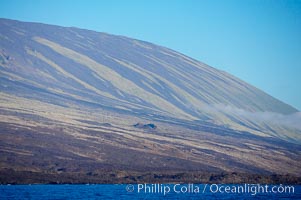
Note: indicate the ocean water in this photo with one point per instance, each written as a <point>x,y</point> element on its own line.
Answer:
<point>145,191</point>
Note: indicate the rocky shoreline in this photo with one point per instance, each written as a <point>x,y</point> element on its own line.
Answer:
<point>121,177</point>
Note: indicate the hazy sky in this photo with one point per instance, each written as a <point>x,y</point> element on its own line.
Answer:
<point>258,41</point>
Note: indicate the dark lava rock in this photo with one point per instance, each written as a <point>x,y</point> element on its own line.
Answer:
<point>145,126</point>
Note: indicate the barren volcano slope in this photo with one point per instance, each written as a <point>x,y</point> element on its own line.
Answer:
<point>69,99</point>
<point>42,137</point>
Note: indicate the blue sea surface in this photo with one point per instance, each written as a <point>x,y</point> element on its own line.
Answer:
<point>123,191</point>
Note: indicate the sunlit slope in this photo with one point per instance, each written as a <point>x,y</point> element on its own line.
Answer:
<point>50,62</point>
